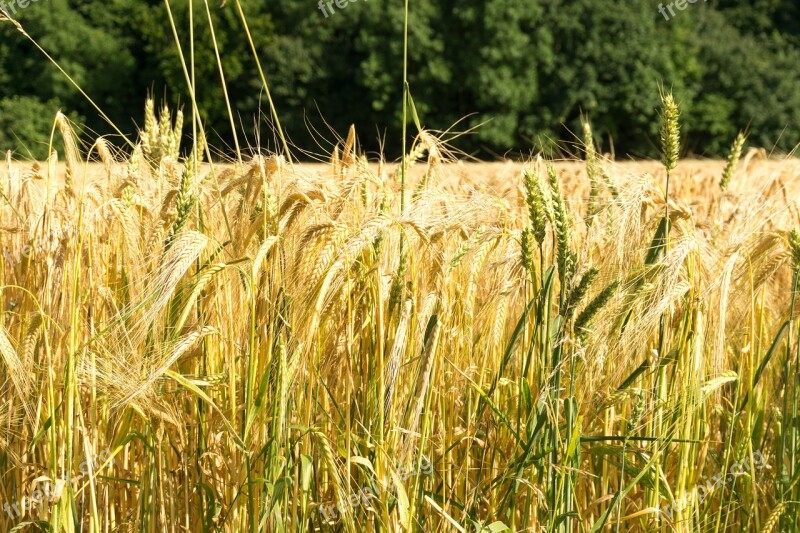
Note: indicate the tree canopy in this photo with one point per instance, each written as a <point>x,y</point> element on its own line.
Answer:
<point>516,75</point>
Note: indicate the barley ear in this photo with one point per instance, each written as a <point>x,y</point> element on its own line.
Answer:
<point>105,155</point>
<point>591,171</point>
<point>423,385</point>
<point>348,153</point>
<point>71,153</point>
<point>394,361</point>
<point>339,486</point>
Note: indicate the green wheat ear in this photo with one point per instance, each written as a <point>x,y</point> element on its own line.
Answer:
<point>537,209</point>
<point>160,139</point>
<point>563,229</point>
<point>637,413</point>
<point>585,318</point>
<point>170,137</point>
<point>670,132</point>
<point>186,197</point>
<point>581,289</point>
<point>733,160</point>
<point>526,244</point>
<point>794,247</point>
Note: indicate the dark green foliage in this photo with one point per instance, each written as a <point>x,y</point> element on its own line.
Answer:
<point>23,122</point>
<point>25,125</point>
<point>524,71</point>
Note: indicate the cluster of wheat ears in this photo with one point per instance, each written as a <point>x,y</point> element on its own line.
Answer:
<point>257,346</point>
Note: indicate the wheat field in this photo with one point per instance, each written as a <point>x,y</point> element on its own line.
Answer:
<point>261,345</point>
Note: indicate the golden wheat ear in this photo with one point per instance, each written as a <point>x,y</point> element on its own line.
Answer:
<point>71,151</point>
<point>349,150</point>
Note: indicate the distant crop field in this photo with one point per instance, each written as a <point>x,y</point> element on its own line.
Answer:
<point>695,182</point>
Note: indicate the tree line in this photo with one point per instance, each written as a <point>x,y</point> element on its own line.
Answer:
<point>498,77</point>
